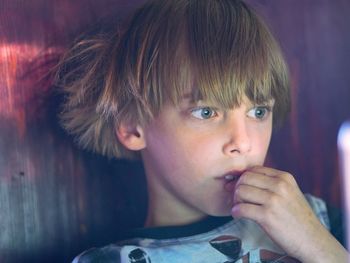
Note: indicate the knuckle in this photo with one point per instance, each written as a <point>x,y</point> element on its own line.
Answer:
<point>282,186</point>
<point>285,183</point>
<point>273,202</point>
<point>287,177</point>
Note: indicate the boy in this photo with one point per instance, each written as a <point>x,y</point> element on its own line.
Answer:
<point>193,89</point>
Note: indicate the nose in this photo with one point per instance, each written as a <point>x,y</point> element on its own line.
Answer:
<point>238,140</point>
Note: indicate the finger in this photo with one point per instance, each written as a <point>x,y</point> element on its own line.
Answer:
<point>251,194</point>
<point>258,180</point>
<point>248,211</point>
<point>265,170</point>
<point>274,173</point>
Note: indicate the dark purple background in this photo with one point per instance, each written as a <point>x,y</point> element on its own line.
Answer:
<point>56,200</point>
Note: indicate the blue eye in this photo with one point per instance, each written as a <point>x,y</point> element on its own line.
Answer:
<point>203,113</point>
<point>259,112</point>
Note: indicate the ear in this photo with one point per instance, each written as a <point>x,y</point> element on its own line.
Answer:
<point>131,136</point>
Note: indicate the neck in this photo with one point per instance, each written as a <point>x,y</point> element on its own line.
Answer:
<point>165,206</point>
<point>166,209</point>
<point>168,213</point>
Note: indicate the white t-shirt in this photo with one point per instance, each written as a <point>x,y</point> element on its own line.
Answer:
<point>213,240</point>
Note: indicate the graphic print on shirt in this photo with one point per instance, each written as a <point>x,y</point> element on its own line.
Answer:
<point>138,255</point>
<point>231,247</point>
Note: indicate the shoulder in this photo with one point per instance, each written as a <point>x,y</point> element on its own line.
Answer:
<point>105,254</point>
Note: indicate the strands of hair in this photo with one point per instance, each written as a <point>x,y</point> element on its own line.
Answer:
<point>216,50</point>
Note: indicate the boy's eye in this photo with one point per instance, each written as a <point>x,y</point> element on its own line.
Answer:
<point>259,112</point>
<point>203,113</point>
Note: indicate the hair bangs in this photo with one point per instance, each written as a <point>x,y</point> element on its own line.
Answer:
<point>154,67</point>
<point>233,54</point>
<point>220,50</point>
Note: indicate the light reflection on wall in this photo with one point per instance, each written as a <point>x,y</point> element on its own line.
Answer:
<point>38,191</point>
<point>18,80</point>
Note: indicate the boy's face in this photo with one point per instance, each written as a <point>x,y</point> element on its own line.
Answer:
<point>193,149</point>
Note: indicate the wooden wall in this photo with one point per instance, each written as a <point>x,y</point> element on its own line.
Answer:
<point>56,200</point>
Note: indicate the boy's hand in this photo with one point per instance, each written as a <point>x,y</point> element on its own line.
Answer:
<point>273,199</point>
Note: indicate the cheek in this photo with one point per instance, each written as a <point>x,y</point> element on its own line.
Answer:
<point>191,151</point>
<point>181,148</point>
<point>167,143</point>
<point>261,140</point>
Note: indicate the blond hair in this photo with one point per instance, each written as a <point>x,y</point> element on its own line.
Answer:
<point>220,49</point>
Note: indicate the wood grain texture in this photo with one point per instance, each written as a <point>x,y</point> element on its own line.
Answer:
<point>56,200</point>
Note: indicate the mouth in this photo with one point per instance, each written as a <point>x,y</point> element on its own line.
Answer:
<point>232,176</point>
<point>230,179</point>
